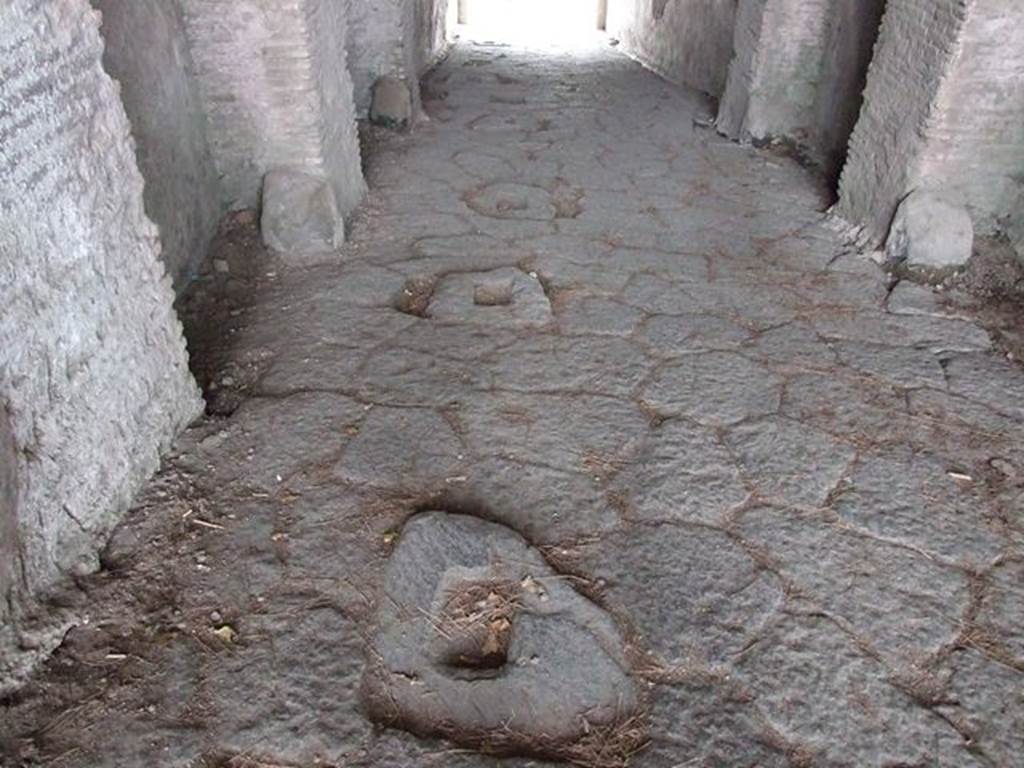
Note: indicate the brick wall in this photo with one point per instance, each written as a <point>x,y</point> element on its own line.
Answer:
<point>276,92</point>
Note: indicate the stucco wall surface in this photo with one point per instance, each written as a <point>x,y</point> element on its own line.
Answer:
<point>686,41</point>
<point>94,381</point>
<point>276,91</point>
<point>146,52</point>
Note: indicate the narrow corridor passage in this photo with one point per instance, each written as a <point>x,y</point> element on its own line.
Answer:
<point>788,498</point>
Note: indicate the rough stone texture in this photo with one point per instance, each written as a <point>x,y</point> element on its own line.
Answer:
<point>276,92</point>
<point>980,706</point>
<point>93,378</point>
<point>682,473</point>
<point>479,640</point>
<point>798,71</point>
<point>692,593</point>
<point>300,217</point>
<point>687,41</point>
<point>930,233</point>
<point>801,504</point>
<point>816,686</point>
<point>940,74</point>
<point>146,52</point>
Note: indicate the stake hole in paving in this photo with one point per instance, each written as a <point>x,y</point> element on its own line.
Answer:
<point>480,641</point>
<point>507,297</point>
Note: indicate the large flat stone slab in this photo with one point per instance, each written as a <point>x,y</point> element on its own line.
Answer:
<point>503,297</point>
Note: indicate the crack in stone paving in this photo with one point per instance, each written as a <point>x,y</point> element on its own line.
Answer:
<point>778,514</point>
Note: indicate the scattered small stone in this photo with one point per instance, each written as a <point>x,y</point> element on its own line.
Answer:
<point>226,633</point>
<point>1003,466</point>
<point>221,266</point>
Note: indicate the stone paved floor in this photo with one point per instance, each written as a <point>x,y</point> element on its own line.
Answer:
<point>572,309</point>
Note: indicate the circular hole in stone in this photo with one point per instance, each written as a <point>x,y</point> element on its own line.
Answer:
<point>476,624</point>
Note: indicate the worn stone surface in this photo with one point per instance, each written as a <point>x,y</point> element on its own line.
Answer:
<point>691,592</point>
<point>815,686</point>
<point>682,472</point>
<point>800,504</point>
<point>299,216</point>
<point>984,704</point>
<point>94,382</point>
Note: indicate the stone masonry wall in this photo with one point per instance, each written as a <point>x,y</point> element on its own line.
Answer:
<point>146,52</point>
<point>944,110</point>
<point>915,51</point>
<point>686,41</point>
<point>852,33</point>
<point>375,46</point>
<point>396,38</point>
<point>430,32</point>
<point>94,381</point>
<point>975,145</point>
<point>277,93</point>
<point>798,71</point>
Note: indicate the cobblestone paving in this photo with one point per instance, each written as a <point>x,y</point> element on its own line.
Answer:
<point>572,309</point>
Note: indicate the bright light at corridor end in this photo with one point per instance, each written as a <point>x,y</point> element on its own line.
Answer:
<point>534,22</point>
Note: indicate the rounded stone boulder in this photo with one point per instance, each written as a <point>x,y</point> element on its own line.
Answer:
<point>300,218</point>
<point>392,103</point>
<point>930,233</point>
